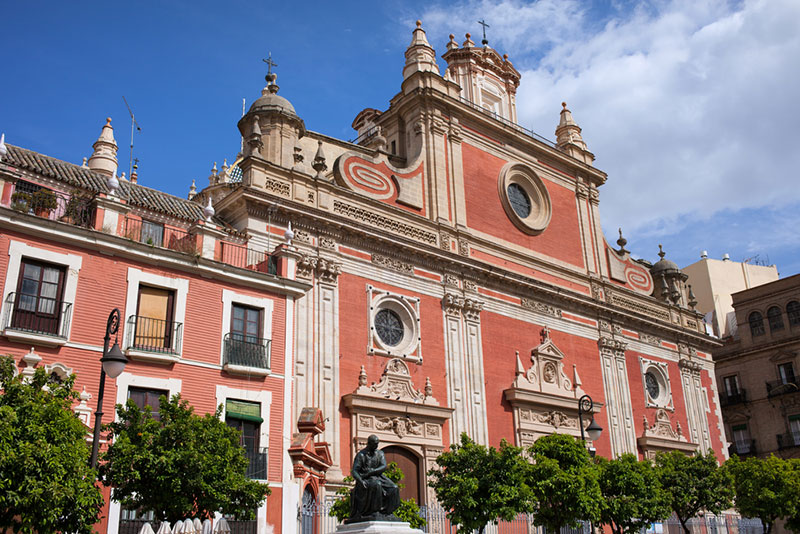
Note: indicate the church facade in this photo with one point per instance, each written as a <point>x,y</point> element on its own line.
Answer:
<point>445,273</point>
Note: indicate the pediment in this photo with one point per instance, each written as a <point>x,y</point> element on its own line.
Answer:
<point>546,373</point>
<point>783,356</point>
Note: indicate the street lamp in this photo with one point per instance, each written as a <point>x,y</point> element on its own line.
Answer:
<point>113,364</point>
<point>586,405</point>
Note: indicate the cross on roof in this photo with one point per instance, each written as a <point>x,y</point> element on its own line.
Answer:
<point>483,23</point>
<point>269,63</point>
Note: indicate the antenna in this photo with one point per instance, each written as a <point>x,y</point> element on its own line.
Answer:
<point>139,128</point>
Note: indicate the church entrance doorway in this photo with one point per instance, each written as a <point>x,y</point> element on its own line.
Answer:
<point>410,465</point>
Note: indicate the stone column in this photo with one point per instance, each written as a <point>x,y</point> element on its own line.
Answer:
<point>696,399</point>
<point>619,409</point>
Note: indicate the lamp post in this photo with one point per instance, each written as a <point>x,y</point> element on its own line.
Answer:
<point>586,405</point>
<point>113,364</point>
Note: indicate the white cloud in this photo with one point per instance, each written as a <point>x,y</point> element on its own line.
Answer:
<point>691,107</point>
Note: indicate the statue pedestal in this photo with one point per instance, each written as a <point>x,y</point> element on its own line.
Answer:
<point>377,527</point>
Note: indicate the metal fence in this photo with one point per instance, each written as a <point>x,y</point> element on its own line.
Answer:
<point>317,519</point>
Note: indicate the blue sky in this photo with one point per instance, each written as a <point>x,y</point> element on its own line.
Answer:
<point>690,106</point>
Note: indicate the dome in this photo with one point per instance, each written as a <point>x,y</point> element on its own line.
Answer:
<point>273,102</point>
<point>664,266</point>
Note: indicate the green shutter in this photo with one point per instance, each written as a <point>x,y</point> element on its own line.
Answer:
<point>795,417</point>
<point>735,427</point>
<point>249,411</point>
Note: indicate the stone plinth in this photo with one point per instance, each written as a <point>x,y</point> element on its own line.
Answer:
<point>377,527</point>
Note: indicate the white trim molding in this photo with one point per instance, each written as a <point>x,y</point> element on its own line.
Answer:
<point>229,298</point>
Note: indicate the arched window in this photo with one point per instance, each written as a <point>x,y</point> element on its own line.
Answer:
<point>308,512</point>
<point>775,319</point>
<point>756,321</point>
<point>793,311</point>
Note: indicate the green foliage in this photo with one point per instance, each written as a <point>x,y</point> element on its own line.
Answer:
<point>408,511</point>
<point>632,495</point>
<point>21,201</point>
<point>765,488</point>
<point>45,200</point>
<point>564,482</point>
<point>694,483</point>
<point>793,519</point>
<point>46,484</point>
<point>184,465</point>
<point>479,485</point>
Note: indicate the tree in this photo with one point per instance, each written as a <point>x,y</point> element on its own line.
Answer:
<point>183,465</point>
<point>477,485</point>
<point>764,489</point>
<point>564,483</point>
<point>694,483</point>
<point>793,519</point>
<point>408,511</point>
<point>46,484</point>
<point>632,495</point>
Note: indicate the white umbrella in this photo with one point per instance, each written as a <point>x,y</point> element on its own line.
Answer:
<point>207,527</point>
<point>188,527</point>
<point>198,526</point>
<point>222,527</point>
<point>146,529</point>
<point>164,528</point>
<point>177,528</point>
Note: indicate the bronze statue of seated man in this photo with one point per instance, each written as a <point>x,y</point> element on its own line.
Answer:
<point>375,497</point>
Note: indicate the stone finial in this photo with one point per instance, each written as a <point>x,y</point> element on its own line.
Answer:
<point>452,44</point>
<point>209,211</point>
<point>31,360</point>
<point>420,55</point>
<point>545,334</point>
<point>104,157</point>
<point>469,43</point>
<point>223,175</point>
<point>576,380</point>
<point>661,252</point>
<point>83,164</point>
<point>568,132</point>
<point>212,178</point>
<point>319,164</point>
<point>289,234</point>
<point>3,147</point>
<point>520,369</point>
<point>664,287</point>
<point>622,242</point>
<point>692,298</point>
<point>362,377</point>
<point>135,172</point>
<point>192,190</point>
<point>428,387</point>
<point>254,138</point>
<point>113,184</point>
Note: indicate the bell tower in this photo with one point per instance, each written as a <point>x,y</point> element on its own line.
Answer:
<point>486,79</point>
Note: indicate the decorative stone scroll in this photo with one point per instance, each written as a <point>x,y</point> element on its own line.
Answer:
<point>393,264</point>
<point>540,307</point>
<point>661,437</point>
<point>623,269</point>
<point>380,180</point>
<point>544,399</point>
<point>454,305</point>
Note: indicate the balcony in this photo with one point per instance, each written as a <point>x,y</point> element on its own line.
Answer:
<point>246,258</point>
<point>246,355</point>
<point>37,319</point>
<point>158,235</point>
<point>788,440</point>
<point>729,399</point>
<point>153,340</point>
<point>257,468</point>
<point>742,448</point>
<point>77,208</point>
<point>783,386</point>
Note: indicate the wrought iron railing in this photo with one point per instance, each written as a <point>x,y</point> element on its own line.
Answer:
<point>257,468</point>
<point>76,208</point>
<point>37,315</point>
<point>165,237</point>
<point>743,448</point>
<point>247,258</point>
<point>728,399</point>
<point>154,335</point>
<point>790,439</point>
<point>246,351</point>
<point>783,386</point>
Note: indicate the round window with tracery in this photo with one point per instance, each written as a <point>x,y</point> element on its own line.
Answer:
<point>389,327</point>
<point>525,198</point>
<point>519,200</point>
<point>653,389</point>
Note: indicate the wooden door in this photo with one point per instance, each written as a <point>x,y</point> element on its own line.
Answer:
<point>409,464</point>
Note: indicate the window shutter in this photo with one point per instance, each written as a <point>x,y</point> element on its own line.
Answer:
<point>249,411</point>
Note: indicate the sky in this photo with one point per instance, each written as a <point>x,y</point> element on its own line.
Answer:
<point>691,107</point>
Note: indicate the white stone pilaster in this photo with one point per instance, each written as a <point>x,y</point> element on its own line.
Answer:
<point>619,409</point>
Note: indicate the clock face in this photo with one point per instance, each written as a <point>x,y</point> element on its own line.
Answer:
<point>653,389</point>
<point>389,327</point>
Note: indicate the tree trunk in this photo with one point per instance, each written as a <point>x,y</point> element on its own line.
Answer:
<point>684,525</point>
<point>767,526</point>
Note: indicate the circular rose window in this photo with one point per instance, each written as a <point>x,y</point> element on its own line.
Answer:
<point>525,198</point>
<point>389,327</point>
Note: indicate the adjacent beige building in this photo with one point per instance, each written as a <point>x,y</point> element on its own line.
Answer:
<point>757,368</point>
<point>714,281</point>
